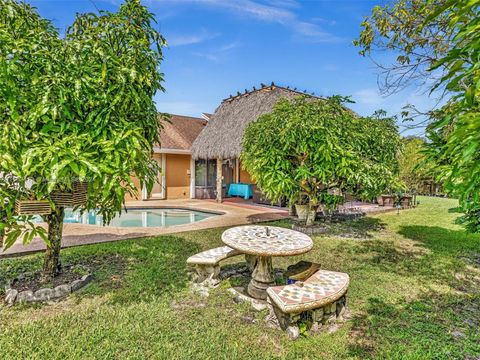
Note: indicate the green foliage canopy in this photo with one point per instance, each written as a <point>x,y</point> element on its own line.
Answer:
<point>76,108</point>
<point>455,133</point>
<point>309,147</point>
<point>415,170</point>
<point>438,42</point>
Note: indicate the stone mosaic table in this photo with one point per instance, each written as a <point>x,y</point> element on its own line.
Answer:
<point>264,242</point>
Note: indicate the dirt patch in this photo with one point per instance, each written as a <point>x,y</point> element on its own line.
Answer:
<point>113,265</point>
<point>360,229</point>
<point>33,281</point>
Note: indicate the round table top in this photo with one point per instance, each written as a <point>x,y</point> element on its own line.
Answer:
<point>267,240</point>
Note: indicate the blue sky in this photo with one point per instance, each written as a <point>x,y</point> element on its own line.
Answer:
<point>219,47</point>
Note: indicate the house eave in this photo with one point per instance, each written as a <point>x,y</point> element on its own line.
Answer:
<point>159,150</point>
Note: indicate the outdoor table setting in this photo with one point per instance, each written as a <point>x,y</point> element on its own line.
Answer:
<point>240,189</point>
<point>264,242</point>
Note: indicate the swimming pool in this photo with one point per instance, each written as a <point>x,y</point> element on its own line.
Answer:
<point>140,217</point>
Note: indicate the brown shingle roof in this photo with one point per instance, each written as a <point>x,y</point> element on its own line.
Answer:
<point>181,132</point>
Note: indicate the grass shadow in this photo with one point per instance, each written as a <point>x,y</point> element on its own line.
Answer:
<point>441,240</point>
<point>432,326</point>
<point>361,228</point>
<point>128,271</point>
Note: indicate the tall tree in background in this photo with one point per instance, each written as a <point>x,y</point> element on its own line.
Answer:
<point>416,172</point>
<point>402,29</point>
<point>78,108</point>
<point>454,130</point>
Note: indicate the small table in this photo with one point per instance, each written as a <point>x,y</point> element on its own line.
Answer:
<point>240,189</point>
<point>265,242</point>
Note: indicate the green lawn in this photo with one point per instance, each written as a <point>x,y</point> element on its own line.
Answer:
<point>414,294</point>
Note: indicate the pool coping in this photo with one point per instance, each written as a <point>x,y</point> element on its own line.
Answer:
<point>213,212</point>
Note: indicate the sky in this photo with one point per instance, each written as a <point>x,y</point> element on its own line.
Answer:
<point>218,47</point>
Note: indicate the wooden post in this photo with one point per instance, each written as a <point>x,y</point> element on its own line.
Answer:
<point>219,180</point>
<point>237,170</point>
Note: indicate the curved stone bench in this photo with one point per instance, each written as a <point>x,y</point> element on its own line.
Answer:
<point>322,297</point>
<point>207,263</point>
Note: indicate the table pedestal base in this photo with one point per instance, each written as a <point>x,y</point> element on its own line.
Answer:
<point>262,278</point>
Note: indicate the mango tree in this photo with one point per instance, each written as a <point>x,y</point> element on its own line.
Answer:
<point>75,109</point>
<point>437,42</point>
<point>308,148</point>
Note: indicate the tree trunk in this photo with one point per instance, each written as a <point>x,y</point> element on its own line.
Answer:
<point>51,264</point>
<point>2,235</point>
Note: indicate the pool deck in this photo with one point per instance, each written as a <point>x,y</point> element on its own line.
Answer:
<point>233,213</point>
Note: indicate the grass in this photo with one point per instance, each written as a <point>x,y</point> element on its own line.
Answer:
<point>414,294</point>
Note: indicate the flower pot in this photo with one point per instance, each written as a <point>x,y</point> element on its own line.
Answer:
<point>302,212</point>
<point>388,200</point>
<point>380,200</point>
<point>311,215</point>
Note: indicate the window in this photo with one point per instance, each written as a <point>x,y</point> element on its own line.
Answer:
<point>200,173</point>
<point>205,172</point>
<point>211,172</point>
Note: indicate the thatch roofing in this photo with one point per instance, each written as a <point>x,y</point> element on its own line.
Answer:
<point>180,132</point>
<point>222,137</point>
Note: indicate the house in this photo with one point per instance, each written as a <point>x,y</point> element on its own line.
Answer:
<point>175,181</point>
<point>199,157</point>
<point>217,148</point>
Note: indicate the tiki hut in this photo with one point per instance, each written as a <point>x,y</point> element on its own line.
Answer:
<point>221,139</point>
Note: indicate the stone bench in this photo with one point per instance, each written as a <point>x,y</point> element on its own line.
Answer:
<point>207,263</point>
<point>321,298</point>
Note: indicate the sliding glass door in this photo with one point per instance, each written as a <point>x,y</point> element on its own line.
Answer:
<point>205,178</point>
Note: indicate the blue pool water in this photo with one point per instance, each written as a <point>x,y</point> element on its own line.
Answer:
<point>141,217</point>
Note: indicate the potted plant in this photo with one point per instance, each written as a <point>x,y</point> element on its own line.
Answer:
<point>300,202</point>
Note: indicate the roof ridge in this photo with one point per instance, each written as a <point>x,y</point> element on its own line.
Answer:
<point>186,116</point>
<point>270,87</point>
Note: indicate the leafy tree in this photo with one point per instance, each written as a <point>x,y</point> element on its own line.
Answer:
<point>448,32</point>
<point>415,170</point>
<point>455,133</point>
<point>78,108</point>
<point>402,28</point>
<point>306,148</point>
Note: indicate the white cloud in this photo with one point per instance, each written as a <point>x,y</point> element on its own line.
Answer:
<point>274,11</point>
<point>313,33</point>
<point>370,96</point>
<point>183,39</point>
<point>284,3</point>
<point>321,20</point>
<point>218,54</point>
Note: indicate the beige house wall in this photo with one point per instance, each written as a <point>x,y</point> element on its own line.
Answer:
<point>128,197</point>
<point>245,176</point>
<point>177,176</point>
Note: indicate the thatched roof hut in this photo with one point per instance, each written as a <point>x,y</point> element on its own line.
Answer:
<point>222,137</point>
